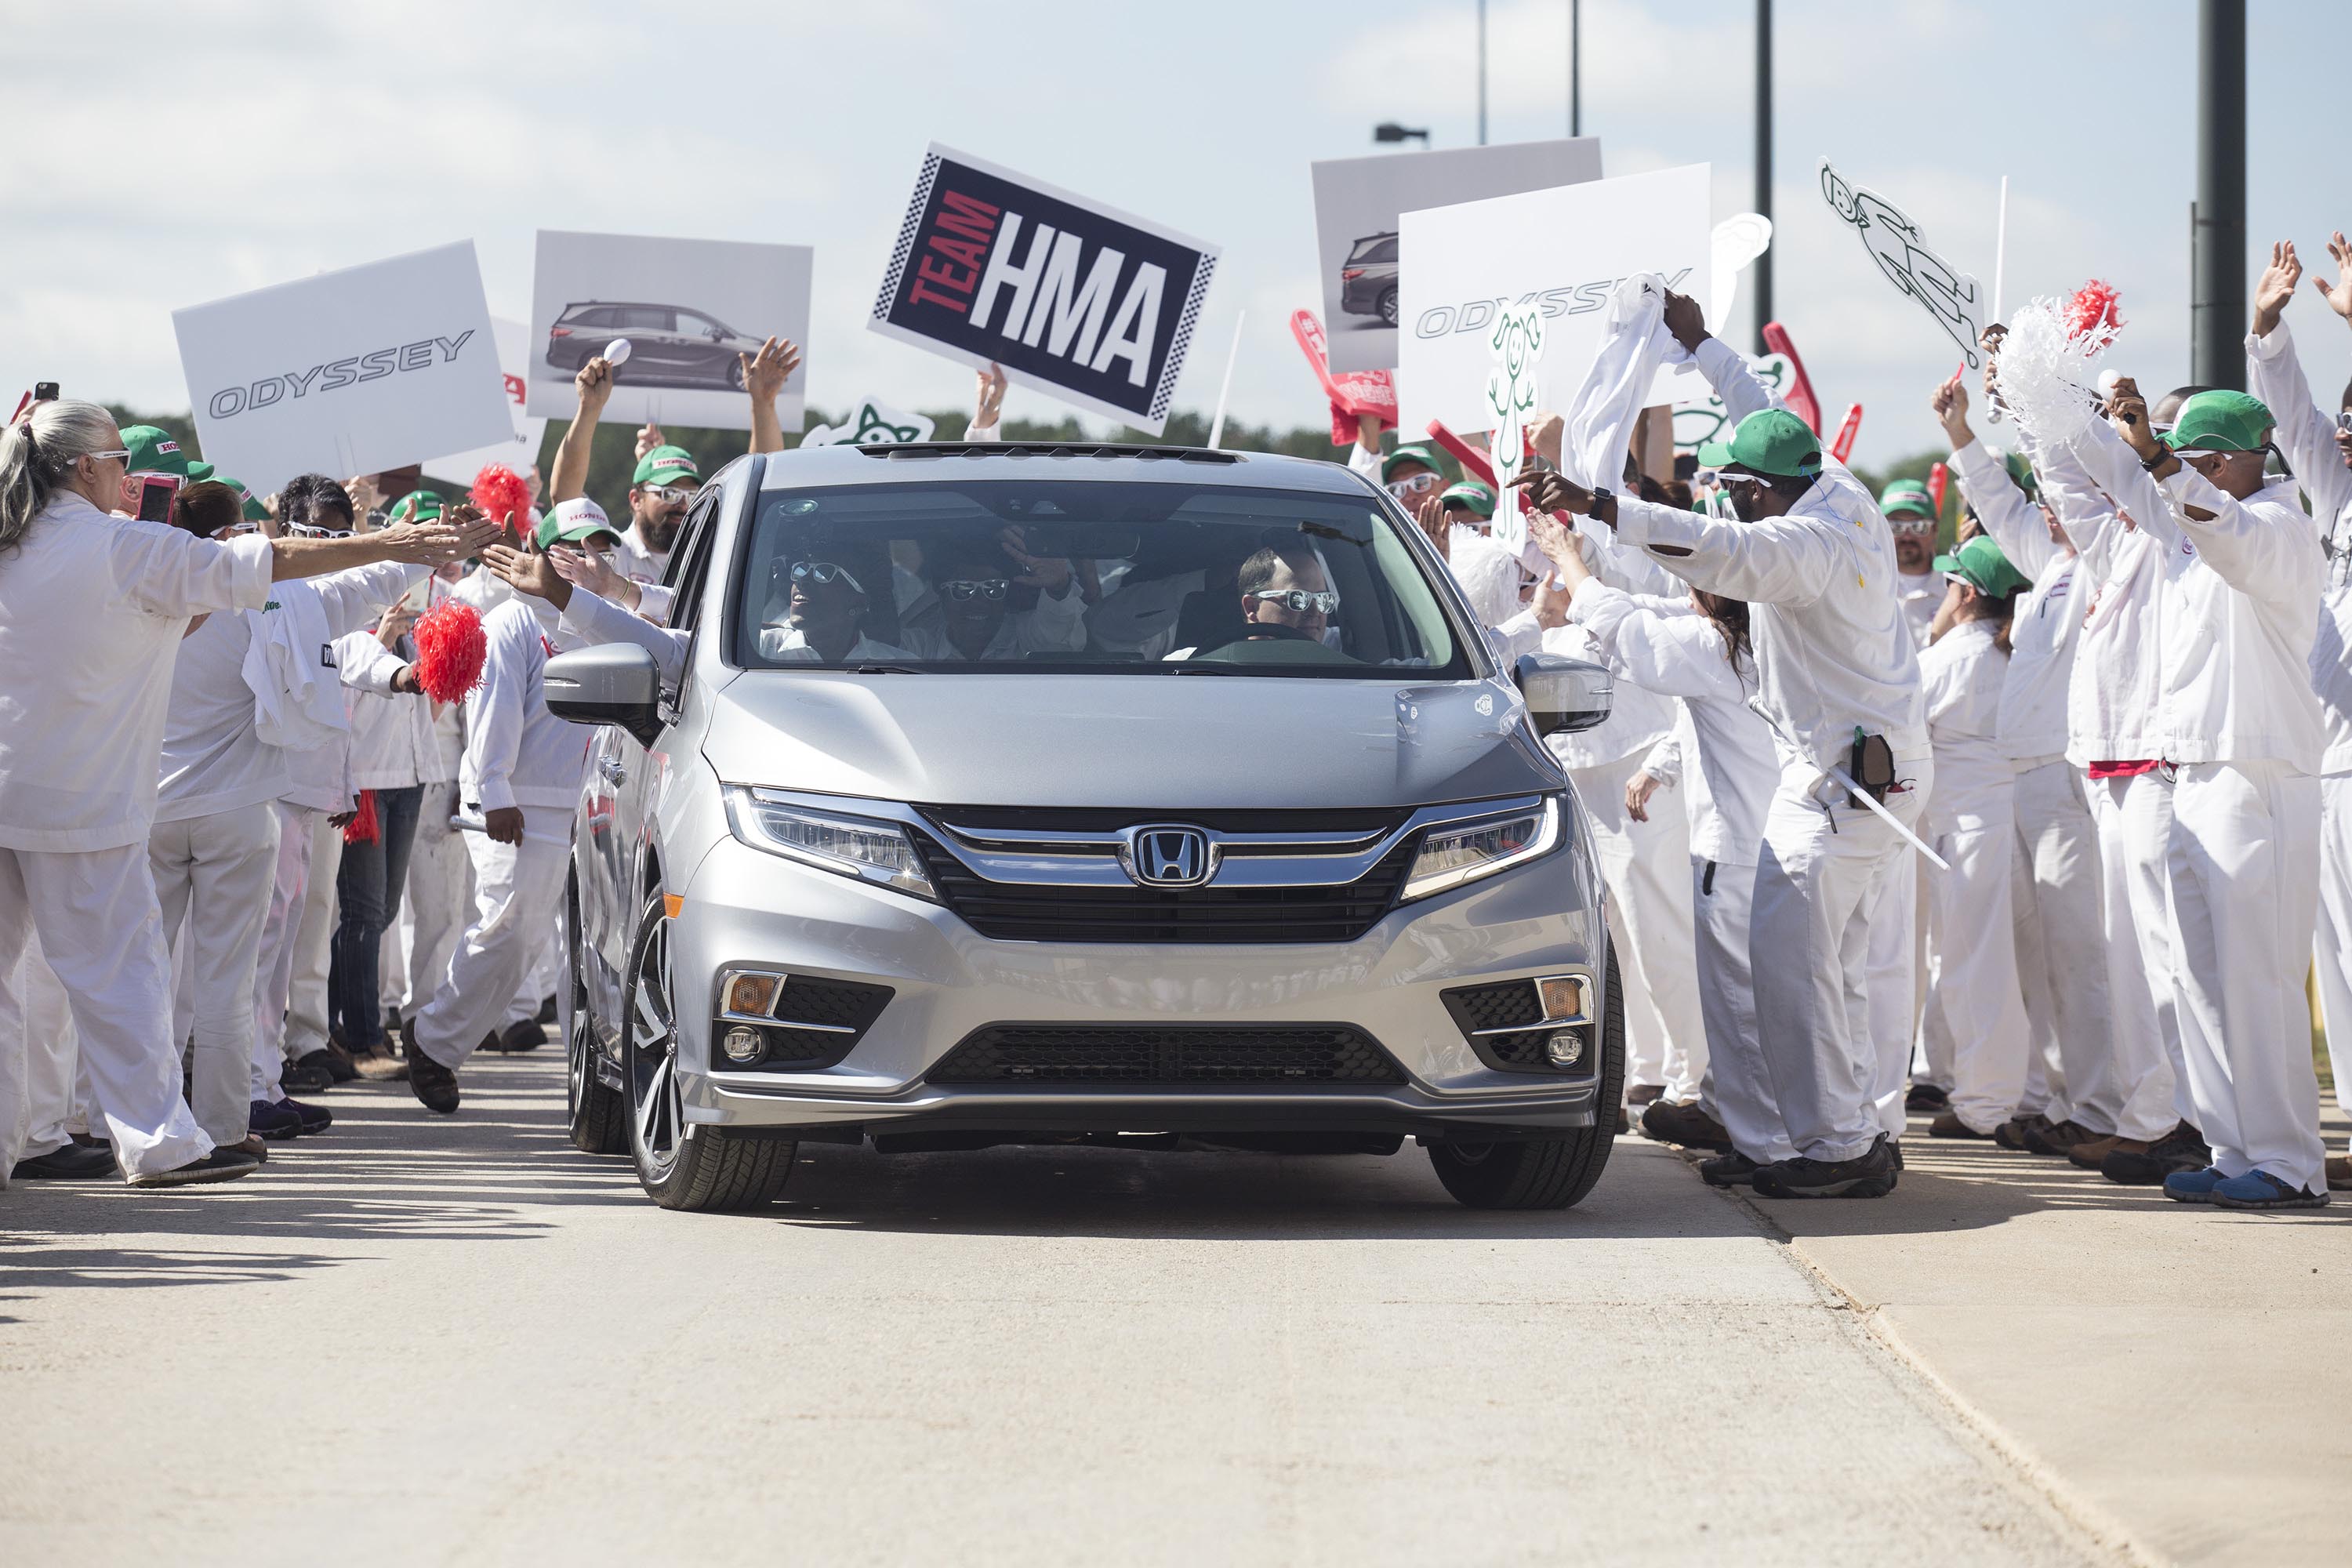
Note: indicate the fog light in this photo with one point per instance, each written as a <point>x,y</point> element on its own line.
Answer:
<point>1564,1049</point>
<point>745,1044</point>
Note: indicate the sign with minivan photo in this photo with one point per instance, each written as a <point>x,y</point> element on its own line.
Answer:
<point>1080,299</point>
<point>690,310</point>
<point>352,372</point>
<point>1358,203</point>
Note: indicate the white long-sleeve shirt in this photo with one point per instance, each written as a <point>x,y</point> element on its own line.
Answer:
<point>2308,437</point>
<point>591,620</point>
<point>1961,675</point>
<point>1683,656</point>
<point>91,609</point>
<point>2033,695</point>
<point>516,752</point>
<point>212,760</point>
<point>2115,694</point>
<point>1834,652</point>
<point>1056,626</point>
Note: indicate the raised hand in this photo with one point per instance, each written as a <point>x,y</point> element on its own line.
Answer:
<point>594,387</point>
<point>2127,412</point>
<point>527,572</point>
<point>1561,546</point>
<point>1543,434</point>
<point>1430,513</point>
<point>650,436</point>
<point>2339,296</point>
<point>1051,574</point>
<point>765,372</point>
<point>1685,321</point>
<point>988,399</point>
<point>1950,404</point>
<point>1553,491</point>
<point>2277,287</point>
<point>458,533</point>
<point>593,571</point>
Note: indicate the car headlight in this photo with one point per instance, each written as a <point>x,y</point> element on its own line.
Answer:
<point>1458,853</point>
<point>851,846</point>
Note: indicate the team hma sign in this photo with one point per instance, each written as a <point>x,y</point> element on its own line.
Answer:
<point>351,371</point>
<point>1063,293</point>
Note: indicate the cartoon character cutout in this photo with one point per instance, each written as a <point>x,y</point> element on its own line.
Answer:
<point>1893,240</point>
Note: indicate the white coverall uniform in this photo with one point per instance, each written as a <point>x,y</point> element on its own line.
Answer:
<point>1922,597</point>
<point>91,612</point>
<point>1729,774</point>
<point>516,754</point>
<point>2241,726</point>
<point>1833,656</point>
<point>2306,436</point>
<point>2057,895</point>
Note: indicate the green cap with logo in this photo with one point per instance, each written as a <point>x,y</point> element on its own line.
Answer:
<point>1770,441</point>
<point>1471,496</point>
<point>253,510</point>
<point>416,506</point>
<point>1414,452</point>
<point>572,522</point>
<point>2213,422</point>
<point>154,451</point>
<point>667,466</point>
<point>1980,564</point>
<point>1907,496</point>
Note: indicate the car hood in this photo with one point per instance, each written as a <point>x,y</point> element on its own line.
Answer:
<point>1194,743</point>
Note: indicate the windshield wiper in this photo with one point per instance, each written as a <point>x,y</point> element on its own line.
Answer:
<point>885,669</point>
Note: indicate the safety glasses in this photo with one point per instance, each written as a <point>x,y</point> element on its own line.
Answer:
<point>983,588</point>
<point>1418,484</point>
<point>1298,599</point>
<point>2343,422</point>
<point>122,453</point>
<point>824,573</point>
<point>667,495</point>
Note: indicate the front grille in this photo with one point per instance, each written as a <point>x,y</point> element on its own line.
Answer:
<point>1016,911</point>
<point>1498,1006</point>
<point>1015,1053</point>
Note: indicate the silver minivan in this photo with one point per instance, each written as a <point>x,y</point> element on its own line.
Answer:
<point>1131,795</point>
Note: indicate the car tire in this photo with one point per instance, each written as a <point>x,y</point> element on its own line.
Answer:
<point>1387,307</point>
<point>734,373</point>
<point>1545,1172</point>
<point>681,1164</point>
<point>594,1114</point>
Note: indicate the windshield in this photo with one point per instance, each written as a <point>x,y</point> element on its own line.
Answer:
<point>1100,577</point>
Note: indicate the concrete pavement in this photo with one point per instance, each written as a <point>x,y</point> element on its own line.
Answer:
<point>418,1339</point>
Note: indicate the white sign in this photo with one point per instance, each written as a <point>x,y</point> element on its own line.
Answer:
<point>1705,419</point>
<point>873,423</point>
<point>351,371</point>
<point>518,454</point>
<point>1562,251</point>
<point>1358,202</point>
<point>1945,293</point>
<point>691,309</point>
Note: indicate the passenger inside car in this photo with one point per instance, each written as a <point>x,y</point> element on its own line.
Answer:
<point>824,620</point>
<point>975,581</point>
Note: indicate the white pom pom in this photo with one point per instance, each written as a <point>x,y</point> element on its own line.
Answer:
<point>616,353</point>
<point>2047,375</point>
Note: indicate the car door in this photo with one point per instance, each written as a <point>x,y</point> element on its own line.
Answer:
<point>652,331</point>
<point>699,339</point>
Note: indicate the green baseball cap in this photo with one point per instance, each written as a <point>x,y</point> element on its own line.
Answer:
<point>2213,422</point>
<point>1907,495</point>
<point>253,510</point>
<point>1470,495</point>
<point>572,522</point>
<point>1415,453</point>
<point>154,451</point>
<point>1770,441</point>
<point>1980,565</point>
<point>2023,472</point>
<point>416,506</point>
<point>667,465</point>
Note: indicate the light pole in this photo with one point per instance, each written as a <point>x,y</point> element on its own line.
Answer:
<point>1482,72</point>
<point>1576,67</point>
<point>1763,162</point>
<point>2217,251</point>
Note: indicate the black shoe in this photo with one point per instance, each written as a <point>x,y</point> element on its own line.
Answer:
<point>1728,1170</point>
<point>1894,1152</point>
<point>1926,1097</point>
<point>220,1165</point>
<point>1643,1094</point>
<point>1684,1124</point>
<point>434,1086</point>
<point>1870,1174</point>
<point>1624,1122</point>
<point>392,1024</point>
<point>547,1009</point>
<point>316,1119</point>
<point>525,1036</point>
<point>308,1074</point>
<point>73,1162</point>
<point>2182,1149</point>
<point>273,1119</point>
<point>336,1060</point>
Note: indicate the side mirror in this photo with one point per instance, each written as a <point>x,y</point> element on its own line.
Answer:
<point>1562,694</point>
<point>614,683</point>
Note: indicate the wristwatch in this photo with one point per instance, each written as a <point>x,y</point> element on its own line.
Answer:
<point>1602,496</point>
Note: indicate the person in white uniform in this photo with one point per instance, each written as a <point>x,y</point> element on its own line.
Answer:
<point>2319,450</point>
<point>1838,680</point>
<point>1976,1012</point>
<point>2243,733</point>
<point>521,772</point>
<point>92,612</point>
<point>1910,511</point>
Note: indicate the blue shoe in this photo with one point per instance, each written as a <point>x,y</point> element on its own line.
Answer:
<point>274,1121</point>
<point>2192,1186</point>
<point>2261,1190</point>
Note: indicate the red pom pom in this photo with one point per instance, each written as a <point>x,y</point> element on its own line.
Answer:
<point>363,828</point>
<point>449,650</point>
<point>503,495</point>
<point>2093,307</point>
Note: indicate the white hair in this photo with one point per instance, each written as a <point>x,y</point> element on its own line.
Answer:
<point>34,454</point>
<point>1489,575</point>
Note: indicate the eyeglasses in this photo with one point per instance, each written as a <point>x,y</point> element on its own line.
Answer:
<point>121,452</point>
<point>667,495</point>
<point>983,588</point>
<point>824,573</point>
<point>1412,486</point>
<point>2343,422</point>
<point>1298,599</point>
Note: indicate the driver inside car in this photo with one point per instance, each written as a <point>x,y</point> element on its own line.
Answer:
<point>1285,596</point>
<point>826,621</point>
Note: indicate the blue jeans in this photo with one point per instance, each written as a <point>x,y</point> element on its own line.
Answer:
<point>367,889</point>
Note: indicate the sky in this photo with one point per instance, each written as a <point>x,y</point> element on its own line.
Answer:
<point>267,140</point>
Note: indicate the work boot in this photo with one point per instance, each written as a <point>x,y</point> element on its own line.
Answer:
<point>1687,1125</point>
<point>434,1086</point>
<point>71,1162</point>
<point>2058,1139</point>
<point>2193,1186</point>
<point>381,1067</point>
<point>1728,1170</point>
<point>2094,1154</point>
<point>336,1060</point>
<point>1949,1125</point>
<point>2011,1134</point>
<point>310,1075</point>
<point>2339,1172</point>
<point>220,1165</point>
<point>525,1035</point>
<point>1643,1094</point>
<point>1870,1174</point>
<point>2182,1149</point>
<point>2261,1190</point>
<point>273,1120</point>
<point>1926,1097</point>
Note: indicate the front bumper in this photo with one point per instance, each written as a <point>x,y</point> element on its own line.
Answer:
<point>742,906</point>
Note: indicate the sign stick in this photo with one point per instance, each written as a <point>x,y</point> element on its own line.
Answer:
<point>1224,389</point>
<point>1999,247</point>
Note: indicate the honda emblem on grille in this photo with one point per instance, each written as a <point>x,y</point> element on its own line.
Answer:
<point>1164,855</point>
